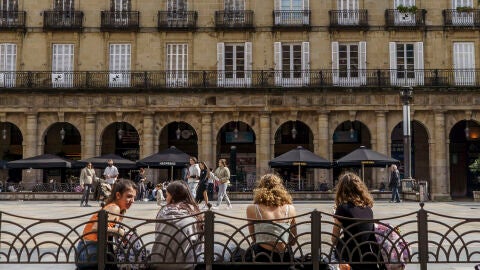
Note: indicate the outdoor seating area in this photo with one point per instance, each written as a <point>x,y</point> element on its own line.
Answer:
<point>428,239</point>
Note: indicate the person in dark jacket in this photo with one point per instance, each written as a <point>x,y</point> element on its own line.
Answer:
<point>394,184</point>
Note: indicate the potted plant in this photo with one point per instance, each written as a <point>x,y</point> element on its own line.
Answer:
<point>475,168</point>
<point>464,9</point>
<point>407,9</point>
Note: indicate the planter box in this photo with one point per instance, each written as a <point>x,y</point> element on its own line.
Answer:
<point>476,195</point>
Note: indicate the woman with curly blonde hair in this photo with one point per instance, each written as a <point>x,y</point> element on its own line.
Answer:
<point>272,223</point>
<point>350,236</point>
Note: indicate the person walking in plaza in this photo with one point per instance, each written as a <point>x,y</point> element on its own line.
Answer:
<point>351,238</point>
<point>394,183</point>
<point>120,200</point>
<point>140,180</point>
<point>201,194</point>
<point>193,176</point>
<point>223,174</point>
<point>273,239</point>
<point>211,184</point>
<point>179,232</point>
<point>110,173</point>
<point>87,178</point>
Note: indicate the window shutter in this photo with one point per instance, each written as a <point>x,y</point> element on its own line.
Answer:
<point>306,62</point>
<point>335,72</point>
<point>8,63</point>
<point>277,58</point>
<point>120,64</point>
<point>220,63</point>
<point>305,4</point>
<point>393,62</point>
<point>418,58</point>
<point>248,62</point>
<point>362,62</point>
<point>278,5</point>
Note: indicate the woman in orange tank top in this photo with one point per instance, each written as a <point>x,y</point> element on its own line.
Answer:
<point>122,197</point>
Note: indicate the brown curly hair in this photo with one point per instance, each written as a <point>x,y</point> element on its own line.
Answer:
<point>351,189</point>
<point>271,192</point>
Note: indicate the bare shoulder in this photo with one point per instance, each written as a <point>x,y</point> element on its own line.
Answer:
<point>112,208</point>
<point>250,210</point>
<point>292,210</point>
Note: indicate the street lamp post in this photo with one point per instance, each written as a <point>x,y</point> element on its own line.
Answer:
<point>406,93</point>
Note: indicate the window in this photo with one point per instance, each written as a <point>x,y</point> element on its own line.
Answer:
<point>234,11</point>
<point>62,65</point>
<point>462,18</point>
<point>177,65</point>
<point>8,64</point>
<point>406,19</point>
<point>464,63</point>
<point>64,5</point>
<point>349,12</point>
<point>292,63</point>
<point>120,65</point>
<point>406,63</point>
<point>8,5</point>
<point>349,63</point>
<point>177,12</point>
<point>234,5</point>
<point>120,9</point>
<point>9,14</point>
<point>291,12</point>
<point>234,64</point>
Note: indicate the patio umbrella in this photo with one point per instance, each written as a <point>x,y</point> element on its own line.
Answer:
<point>101,161</point>
<point>364,157</point>
<point>168,158</point>
<point>299,157</point>
<point>46,161</point>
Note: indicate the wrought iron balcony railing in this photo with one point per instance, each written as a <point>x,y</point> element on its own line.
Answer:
<point>348,19</point>
<point>120,20</point>
<point>12,20</point>
<point>244,79</point>
<point>291,19</point>
<point>461,19</point>
<point>405,20</point>
<point>181,20</point>
<point>235,19</point>
<point>62,20</point>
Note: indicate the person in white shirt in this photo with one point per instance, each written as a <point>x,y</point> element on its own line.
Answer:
<point>193,176</point>
<point>110,173</point>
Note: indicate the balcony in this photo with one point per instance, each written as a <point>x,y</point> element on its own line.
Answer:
<point>240,79</point>
<point>120,20</point>
<point>396,20</point>
<point>12,20</point>
<point>291,19</point>
<point>177,20</point>
<point>62,20</point>
<point>348,19</point>
<point>453,18</point>
<point>234,20</point>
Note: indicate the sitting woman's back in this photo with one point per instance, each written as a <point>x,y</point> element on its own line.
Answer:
<point>179,232</point>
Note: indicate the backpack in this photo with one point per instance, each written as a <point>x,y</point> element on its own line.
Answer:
<point>394,249</point>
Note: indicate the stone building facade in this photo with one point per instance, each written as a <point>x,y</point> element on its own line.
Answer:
<point>197,74</point>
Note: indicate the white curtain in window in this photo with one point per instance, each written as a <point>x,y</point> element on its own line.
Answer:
<point>348,12</point>
<point>406,3</point>
<point>177,65</point>
<point>290,12</point>
<point>8,64</point>
<point>462,18</point>
<point>418,71</point>
<point>177,5</point>
<point>355,56</point>
<point>232,5</point>
<point>64,5</point>
<point>62,65</point>
<point>288,72</point>
<point>464,63</point>
<point>120,63</point>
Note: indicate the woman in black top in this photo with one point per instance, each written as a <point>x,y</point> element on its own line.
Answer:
<point>201,193</point>
<point>354,239</point>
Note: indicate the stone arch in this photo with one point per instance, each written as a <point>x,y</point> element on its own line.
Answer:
<point>180,134</point>
<point>464,148</point>
<point>420,149</point>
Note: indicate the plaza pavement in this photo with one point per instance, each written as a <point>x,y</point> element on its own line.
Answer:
<point>382,209</point>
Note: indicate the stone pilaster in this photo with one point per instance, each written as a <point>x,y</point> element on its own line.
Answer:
<point>89,136</point>
<point>147,147</point>
<point>380,175</point>
<point>440,182</point>
<point>264,150</point>
<point>30,177</point>
<point>322,148</point>
<point>206,148</point>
